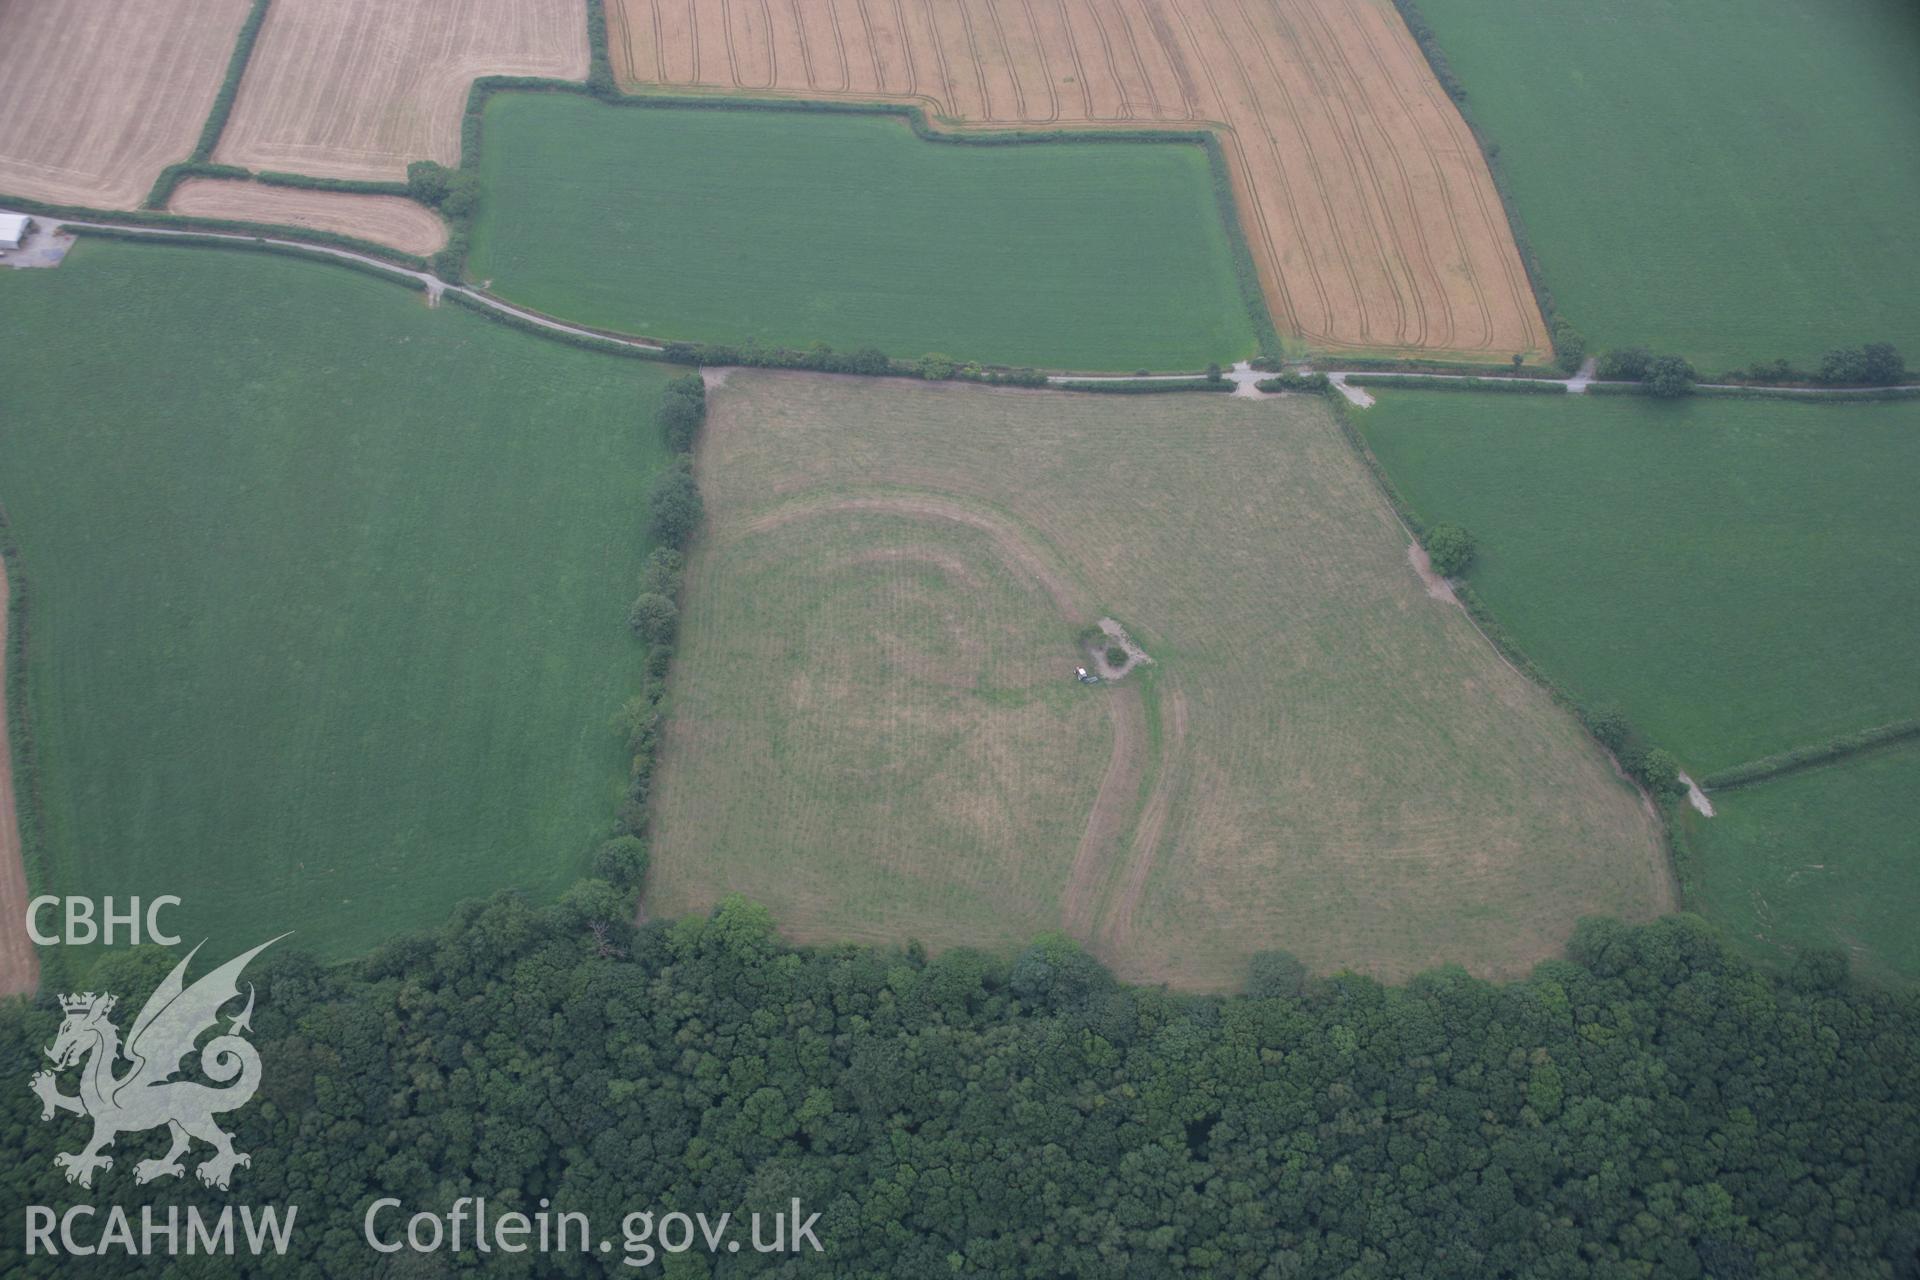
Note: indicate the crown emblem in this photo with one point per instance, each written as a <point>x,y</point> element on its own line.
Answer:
<point>86,1002</point>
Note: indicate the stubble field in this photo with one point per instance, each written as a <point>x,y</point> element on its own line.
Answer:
<point>389,220</point>
<point>875,727</point>
<point>329,590</point>
<point>1371,217</point>
<point>357,89</point>
<point>97,99</point>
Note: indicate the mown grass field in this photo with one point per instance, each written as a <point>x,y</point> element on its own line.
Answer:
<point>792,228</point>
<point>1739,577</point>
<point>328,589</point>
<point>875,728</point>
<point>1733,182</point>
<point>1823,858</point>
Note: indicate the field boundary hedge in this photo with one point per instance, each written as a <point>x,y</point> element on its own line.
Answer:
<point>349,186</point>
<point>1535,386</point>
<point>1509,650</point>
<point>1139,386</point>
<point>1252,295</point>
<point>1813,395</point>
<point>1465,368</point>
<point>230,87</point>
<point>1838,747</point>
<point>23,747</point>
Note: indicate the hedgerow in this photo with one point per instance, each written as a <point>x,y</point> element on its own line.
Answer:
<point>1523,386</point>
<point>1290,381</point>
<point>1834,748</point>
<point>174,174</point>
<point>1465,368</point>
<point>352,186</point>
<point>1817,396</point>
<point>1141,386</point>
<point>230,87</point>
<point>674,514</point>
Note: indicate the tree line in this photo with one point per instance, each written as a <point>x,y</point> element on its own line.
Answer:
<point>1649,1106</point>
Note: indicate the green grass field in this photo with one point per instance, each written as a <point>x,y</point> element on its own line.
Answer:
<point>1824,858</point>
<point>875,727</point>
<point>790,228</point>
<point>1739,577</point>
<point>1729,181</point>
<point>328,589</point>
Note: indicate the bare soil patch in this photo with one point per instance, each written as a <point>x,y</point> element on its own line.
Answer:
<point>96,99</point>
<point>359,88</point>
<point>1438,588</point>
<point>388,220</point>
<point>1369,211</point>
<point>1112,634</point>
<point>19,965</point>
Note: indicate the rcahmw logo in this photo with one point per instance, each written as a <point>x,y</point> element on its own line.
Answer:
<point>146,1096</point>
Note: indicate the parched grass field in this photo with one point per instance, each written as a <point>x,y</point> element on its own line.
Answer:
<point>875,728</point>
<point>793,228</point>
<point>1740,577</point>
<point>1824,858</point>
<point>1369,211</point>
<point>1732,182</point>
<point>328,590</point>
<point>358,88</point>
<point>97,99</point>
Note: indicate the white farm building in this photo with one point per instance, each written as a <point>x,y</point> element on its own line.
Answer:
<point>13,229</point>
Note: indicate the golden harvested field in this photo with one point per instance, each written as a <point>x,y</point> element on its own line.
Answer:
<point>359,88</point>
<point>389,220</point>
<point>1365,201</point>
<point>874,726</point>
<point>96,99</point>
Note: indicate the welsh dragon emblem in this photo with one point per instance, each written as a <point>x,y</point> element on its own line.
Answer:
<point>146,1096</point>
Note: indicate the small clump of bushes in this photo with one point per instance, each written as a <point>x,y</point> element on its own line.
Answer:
<point>1450,549</point>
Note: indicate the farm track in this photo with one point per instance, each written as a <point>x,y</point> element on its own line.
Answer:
<point>19,965</point>
<point>1107,820</point>
<point>1365,202</point>
<point>1169,776</point>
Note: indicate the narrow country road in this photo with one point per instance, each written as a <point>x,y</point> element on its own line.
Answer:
<point>1243,376</point>
<point>435,286</point>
